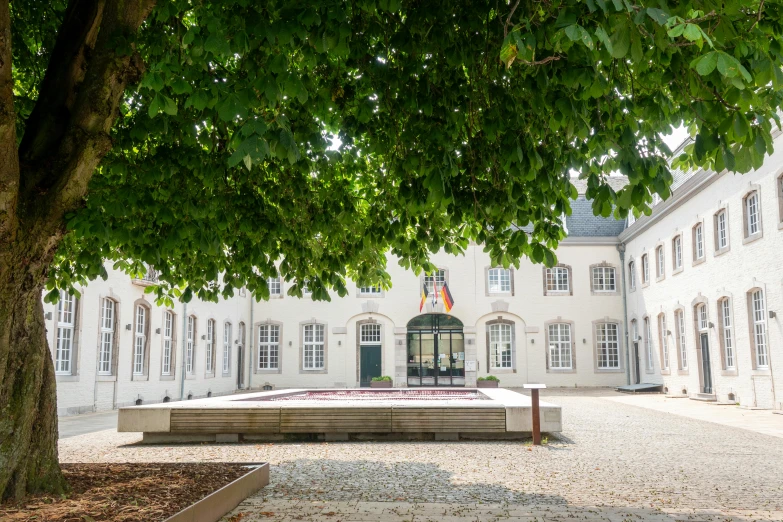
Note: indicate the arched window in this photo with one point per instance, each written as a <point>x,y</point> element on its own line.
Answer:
<point>226,348</point>
<point>677,253</point>
<point>140,329</point>
<point>209,348</point>
<point>698,242</point>
<point>662,339</point>
<point>167,362</point>
<point>752,214</point>
<point>726,333</point>
<point>721,230</point>
<point>108,327</point>
<point>758,323</point>
<point>660,262</point>
<point>645,269</point>
<point>66,335</point>
<point>190,345</point>
<point>632,275</point>
<point>682,346</point>
<point>559,344</point>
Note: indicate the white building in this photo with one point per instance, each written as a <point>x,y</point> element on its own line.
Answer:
<point>703,296</point>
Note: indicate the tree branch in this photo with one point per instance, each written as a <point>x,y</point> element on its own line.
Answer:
<point>508,20</point>
<point>9,159</point>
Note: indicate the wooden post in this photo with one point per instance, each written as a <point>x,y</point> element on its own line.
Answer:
<point>536,411</point>
<point>536,418</point>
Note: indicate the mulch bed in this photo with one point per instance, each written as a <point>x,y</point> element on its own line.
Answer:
<point>125,492</point>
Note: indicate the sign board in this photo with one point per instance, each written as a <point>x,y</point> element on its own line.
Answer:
<point>470,366</point>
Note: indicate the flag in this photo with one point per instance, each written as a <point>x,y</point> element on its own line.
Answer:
<point>448,301</point>
<point>424,294</point>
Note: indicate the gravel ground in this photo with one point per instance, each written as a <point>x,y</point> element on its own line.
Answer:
<point>613,462</point>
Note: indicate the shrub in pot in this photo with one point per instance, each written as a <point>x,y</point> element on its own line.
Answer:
<point>490,381</point>
<point>381,382</point>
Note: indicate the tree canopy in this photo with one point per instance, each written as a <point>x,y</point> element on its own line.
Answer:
<point>457,121</point>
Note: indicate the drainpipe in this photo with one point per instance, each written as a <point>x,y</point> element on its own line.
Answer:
<point>621,249</point>
<point>249,354</point>
<point>184,351</point>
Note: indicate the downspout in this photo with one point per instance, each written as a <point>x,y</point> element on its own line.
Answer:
<point>621,249</point>
<point>249,355</point>
<point>184,350</point>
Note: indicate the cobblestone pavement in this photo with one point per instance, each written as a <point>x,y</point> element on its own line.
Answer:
<point>614,462</point>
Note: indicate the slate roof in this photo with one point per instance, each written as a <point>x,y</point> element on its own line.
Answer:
<point>582,222</point>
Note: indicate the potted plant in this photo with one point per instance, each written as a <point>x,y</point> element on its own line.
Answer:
<point>381,382</point>
<point>490,381</point>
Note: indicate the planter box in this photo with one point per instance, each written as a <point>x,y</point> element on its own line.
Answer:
<point>487,384</point>
<point>213,507</point>
<point>381,384</point>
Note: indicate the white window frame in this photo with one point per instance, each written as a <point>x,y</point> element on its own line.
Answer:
<point>727,333</point>
<point>660,267</point>
<point>314,349</point>
<point>664,342</point>
<point>168,341</point>
<point>679,319</point>
<point>752,214</point>
<point>555,278</point>
<point>607,345</point>
<point>632,275</point>
<point>227,347</point>
<point>370,334</point>
<point>560,346</point>
<point>499,280</point>
<point>677,247</point>
<point>438,277</point>
<point>648,343</point>
<point>500,346</point>
<point>108,324</point>
<point>139,339</point>
<point>722,229</point>
<point>66,328</point>
<point>645,268</point>
<point>699,240</point>
<point>210,345</point>
<point>374,290</point>
<point>268,347</point>
<point>191,345</point>
<point>604,279</point>
<point>275,286</point>
<point>759,317</point>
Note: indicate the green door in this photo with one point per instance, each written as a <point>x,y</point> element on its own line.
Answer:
<point>370,364</point>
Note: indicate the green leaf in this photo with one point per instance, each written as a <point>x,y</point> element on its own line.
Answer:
<point>727,65</point>
<point>658,15</point>
<point>169,106</point>
<point>705,64</point>
<point>692,32</point>
<point>621,41</point>
<point>600,33</point>
<point>155,106</point>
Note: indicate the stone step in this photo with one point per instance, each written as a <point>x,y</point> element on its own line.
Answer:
<point>707,397</point>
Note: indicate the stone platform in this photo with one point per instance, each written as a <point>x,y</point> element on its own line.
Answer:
<point>366,414</point>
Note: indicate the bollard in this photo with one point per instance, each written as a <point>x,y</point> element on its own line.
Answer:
<point>536,411</point>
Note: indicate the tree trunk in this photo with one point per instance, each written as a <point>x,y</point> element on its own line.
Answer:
<point>28,397</point>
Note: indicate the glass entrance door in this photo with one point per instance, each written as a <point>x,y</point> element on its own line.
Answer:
<point>436,352</point>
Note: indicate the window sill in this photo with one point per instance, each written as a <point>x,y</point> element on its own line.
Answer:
<point>225,374</point>
<point>67,378</point>
<point>630,290</point>
<point>751,239</point>
<point>780,225</point>
<point>604,292</point>
<point>190,377</point>
<point>500,371</point>
<point>313,371</point>
<point>666,372</point>
<point>729,373</point>
<point>699,261</point>
<point>557,293</point>
<point>370,296</point>
<point>267,371</point>
<point>500,294</point>
<point>140,377</point>
<point>683,372</point>
<point>562,370</point>
<point>645,284</point>
<point>167,377</point>
<point>660,278</point>
<point>609,370</point>
<point>721,251</point>
<point>275,296</point>
<point>677,271</point>
<point>209,375</point>
<point>649,371</point>
<point>106,378</point>
<point>760,371</point>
